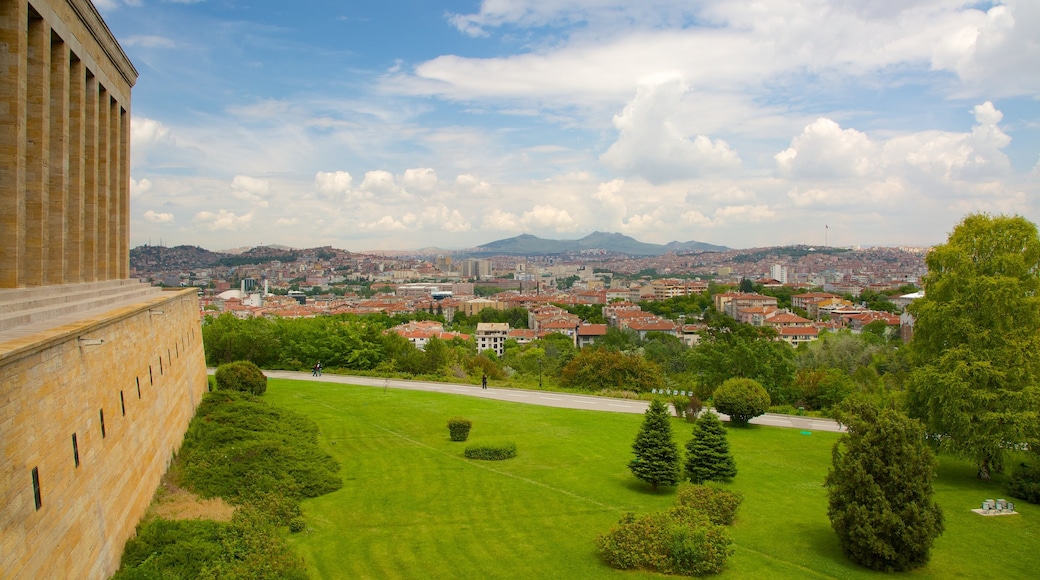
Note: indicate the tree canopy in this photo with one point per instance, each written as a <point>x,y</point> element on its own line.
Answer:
<point>976,345</point>
<point>657,459</point>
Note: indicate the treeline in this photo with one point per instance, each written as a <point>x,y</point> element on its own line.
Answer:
<point>815,377</point>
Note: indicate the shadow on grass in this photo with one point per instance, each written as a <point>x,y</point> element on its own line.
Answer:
<point>643,488</point>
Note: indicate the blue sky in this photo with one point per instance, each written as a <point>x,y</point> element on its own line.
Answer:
<point>405,124</point>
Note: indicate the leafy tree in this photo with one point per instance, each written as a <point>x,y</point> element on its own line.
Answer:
<point>622,339</point>
<point>823,388</point>
<point>729,349</point>
<point>746,285</point>
<point>742,400</point>
<point>707,454</point>
<point>227,338</point>
<point>597,369</point>
<point>880,491</point>
<point>976,349</point>
<point>656,454</point>
<point>877,301</point>
<point>668,351</point>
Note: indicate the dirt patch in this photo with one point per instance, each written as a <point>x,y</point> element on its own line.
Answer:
<point>175,503</point>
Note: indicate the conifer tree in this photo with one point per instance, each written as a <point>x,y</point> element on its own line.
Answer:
<point>707,454</point>
<point>880,491</point>
<point>657,460</point>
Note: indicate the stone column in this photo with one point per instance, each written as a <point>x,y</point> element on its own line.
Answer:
<point>104,192</point>
<point>77,135</point>
<point>124,192</point>
<point>37,149</point>
<point>59,175</point>
<point>115,191</point>
<point>14,17</point>
<point>90,179</point>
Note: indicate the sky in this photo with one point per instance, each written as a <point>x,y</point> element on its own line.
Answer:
<point>405,124</point>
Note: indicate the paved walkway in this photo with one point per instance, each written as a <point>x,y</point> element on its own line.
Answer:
<point>545,398</point>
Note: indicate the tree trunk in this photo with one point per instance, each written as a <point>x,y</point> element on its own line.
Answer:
<point>983,470</point>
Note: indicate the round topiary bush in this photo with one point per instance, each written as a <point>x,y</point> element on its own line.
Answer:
<point>459,428</point>
<point>742,400</point>
<point>241,376</point>
<point>491,451</point>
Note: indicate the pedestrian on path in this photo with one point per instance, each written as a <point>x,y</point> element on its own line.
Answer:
<point>483,382</point>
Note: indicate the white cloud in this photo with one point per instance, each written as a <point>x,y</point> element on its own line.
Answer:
<point>548,217</point>
<point>381,184</point>
<point>499,220</point>
<point>651,145</point>
<point>442,218</point>
<point>158,218</point>
<point>471,186</point>
<point>251,189</point>
<point>420,180</point>
<point>146,41</point>
<point>333,183</point>
<point>825,151</point>
<point>139,187</point>
<point>223,220</point>
<point>145,132</point>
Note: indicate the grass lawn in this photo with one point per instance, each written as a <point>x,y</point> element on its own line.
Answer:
<point>413,507</point>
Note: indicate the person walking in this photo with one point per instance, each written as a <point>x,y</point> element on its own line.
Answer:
<point>317,368</point>
<point>483,382</point>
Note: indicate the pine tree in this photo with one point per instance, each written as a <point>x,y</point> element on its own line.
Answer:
<point>880,491</point>
<point>707,454</point>
<point>657,458</point>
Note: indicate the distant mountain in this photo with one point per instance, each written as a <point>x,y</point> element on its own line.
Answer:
<point>527,244</point>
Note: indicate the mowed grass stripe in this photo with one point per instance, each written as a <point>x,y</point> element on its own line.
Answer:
<point>412,508</point>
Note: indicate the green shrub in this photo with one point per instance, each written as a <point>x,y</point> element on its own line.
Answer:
<point>249,452</point>
<point>741,399</point>
<point>679,403</point>
<point>1025,483</point>
<point>491,451</point>
<point>247,547</point>
<point>719,505</point>
<point>297,525</point>
<point>241,376</point>
<point>693,408</point>
<point>459,428</point>
<point>681,541</point>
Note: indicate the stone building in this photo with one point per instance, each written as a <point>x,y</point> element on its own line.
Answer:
<point>99,374</point>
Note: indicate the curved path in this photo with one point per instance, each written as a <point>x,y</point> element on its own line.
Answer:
<point>545,398</point>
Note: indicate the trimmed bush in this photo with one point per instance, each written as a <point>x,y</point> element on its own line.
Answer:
<point>241,376</point>
<point>491,451</point>
<point>459,428</point>
<point>681,541</point>
<point>742,400</point>
<point>719,505</point>
<point>1025,483</point>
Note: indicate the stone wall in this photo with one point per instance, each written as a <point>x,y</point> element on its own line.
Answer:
<point>94,411</point>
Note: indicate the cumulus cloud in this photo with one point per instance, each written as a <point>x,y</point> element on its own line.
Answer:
<point>499,220</point>
<point>825,151</point>
<point>223,220</point>
<point>381,184</point>
<point>650,144</point>
<point>548,217</point>
<point>145,132</point>
<point>158,218</point>
<point>251,189</point>
<point>471,186</point>
<point>442,218</point>
<point>333,183</point>
<point>139,187</point>
<point>419,180</point>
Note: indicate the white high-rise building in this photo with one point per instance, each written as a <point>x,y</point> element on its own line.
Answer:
<point>778,273</point>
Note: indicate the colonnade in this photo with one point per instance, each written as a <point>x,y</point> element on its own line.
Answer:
<point>64,145</point>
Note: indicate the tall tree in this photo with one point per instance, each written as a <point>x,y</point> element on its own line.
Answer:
<point>707,454</point>
<point>730,349</point>
<point>880,491</point>
<point>976,345</point>
<point>657,459</point>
